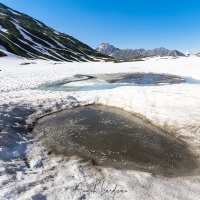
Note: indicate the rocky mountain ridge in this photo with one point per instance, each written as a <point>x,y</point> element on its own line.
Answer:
<point>128,54</point>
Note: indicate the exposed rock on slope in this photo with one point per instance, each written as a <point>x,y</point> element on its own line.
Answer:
<point>128,54</point>
<point>27,37</point>
<point>2,54</point>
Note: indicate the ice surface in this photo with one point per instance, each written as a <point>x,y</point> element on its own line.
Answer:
<point>110,81</point>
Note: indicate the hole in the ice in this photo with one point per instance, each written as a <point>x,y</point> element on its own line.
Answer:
<point>147,79</point>
<point>114,138</point>
<point>110,81</point>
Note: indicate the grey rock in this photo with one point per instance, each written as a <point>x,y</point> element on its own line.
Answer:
<point>128,54</point>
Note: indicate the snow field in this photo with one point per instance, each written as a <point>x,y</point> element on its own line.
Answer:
<point>174,108</point>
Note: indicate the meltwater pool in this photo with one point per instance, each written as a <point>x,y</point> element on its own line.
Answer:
<point>114,138</point>
<point>110,81</point>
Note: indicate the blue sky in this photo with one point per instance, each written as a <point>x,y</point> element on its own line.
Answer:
<point>173,24</point>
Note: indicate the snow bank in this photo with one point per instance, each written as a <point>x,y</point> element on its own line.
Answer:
<point>12,11</point>
<point>28,171</point>
<point>2,48</point>
<point>3,29</point>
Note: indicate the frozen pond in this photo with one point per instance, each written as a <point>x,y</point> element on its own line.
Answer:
<point>110,81</point>
<point>114,138</point>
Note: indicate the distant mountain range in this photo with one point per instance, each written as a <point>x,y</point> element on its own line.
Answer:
<point>128,54</point>
<point>27,37</point>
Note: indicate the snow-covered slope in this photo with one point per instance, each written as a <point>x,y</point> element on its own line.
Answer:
<point>2,54</point>
<point>25,36</point>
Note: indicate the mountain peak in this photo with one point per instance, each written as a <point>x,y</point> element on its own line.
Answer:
<point>107,49</point>
<point>128,54</point>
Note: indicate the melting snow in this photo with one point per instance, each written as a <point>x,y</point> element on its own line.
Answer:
<point>28,172</point>
<point>12,11</point>
<point>19,46</point>
<point>15,20</point>
<point>3,48</point>
<point>24,32</point>
<point>56,32</point>
<point>58,43</point>
<point>38,47</point>
<point>71,40</point>
<point>3,29</point>
<point>38,23</point>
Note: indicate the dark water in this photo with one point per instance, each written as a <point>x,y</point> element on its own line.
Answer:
<point>114,138</point>
<point>142,78</point>
<point>110,81</point>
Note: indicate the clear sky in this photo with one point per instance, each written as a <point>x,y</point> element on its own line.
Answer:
<point>174,24</point>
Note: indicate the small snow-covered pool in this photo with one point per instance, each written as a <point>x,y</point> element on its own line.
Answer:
<point>110,81</point>
<point>114,138</point>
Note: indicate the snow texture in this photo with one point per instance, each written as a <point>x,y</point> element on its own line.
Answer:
<point>13,12</point>
<point>28,171</point>
<point>2,48</point>
<point>3,29</point>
